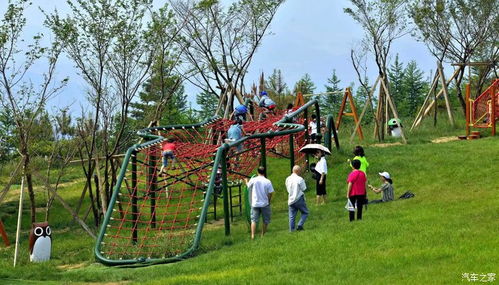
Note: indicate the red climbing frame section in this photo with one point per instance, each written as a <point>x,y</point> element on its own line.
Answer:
<point>485,108</point>
<point>156,214</point>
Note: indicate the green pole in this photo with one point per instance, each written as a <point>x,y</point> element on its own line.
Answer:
<point>263,158</point>
<point>307,140</point>
<point>291,151</point>
<point>152,181</point>
<point>225,193</point>
<point>135,211</point>
<point>318,115</point>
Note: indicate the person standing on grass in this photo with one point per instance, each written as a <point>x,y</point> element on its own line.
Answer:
<point>295,185</point>
<point>312,129</point>
<point>321,168</point>
<point>358,151</point>
<point>386,188</point>
<point>261,195</point>
<point>356,190</point>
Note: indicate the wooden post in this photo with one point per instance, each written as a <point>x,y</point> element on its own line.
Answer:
<point>428,108</point>
<point>427,98</point>
<point>4,234</point>
<point>446,93</point>
<point>19,219</point>
<point>353,112</point>
<point>368,103</point>
<point>468,109</point>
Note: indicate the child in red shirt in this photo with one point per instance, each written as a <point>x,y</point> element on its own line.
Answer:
<point>356,193</point>
<point>168,148</point>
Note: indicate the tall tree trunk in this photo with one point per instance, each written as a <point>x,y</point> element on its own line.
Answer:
<point>29,182</point>
<point>459,79</point>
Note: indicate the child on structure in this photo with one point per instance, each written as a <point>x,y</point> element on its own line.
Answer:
<point>267,104</point>
<point>261,195</point>
<point>321,168</point>
<point>168,147</point>
<point>312,129</point>
<point>356,189</point>
<point>235,132</point>
<point>386,188</point>
<point>240,113</point>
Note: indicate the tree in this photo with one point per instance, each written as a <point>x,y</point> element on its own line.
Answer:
<point>383,23</point>
<point>330,103</point>
<point>24,99</point>
<point>207,102</point>
<point>275,83</point>
<point>218,43</point>
<point>415,89</point>
<point>305,85</point>
<point>396,78</point>
<point>456,30</point>
<point>111,45</point>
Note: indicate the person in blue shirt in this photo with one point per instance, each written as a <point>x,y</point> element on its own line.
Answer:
<point>240,113</point>
<point>266,103</point>
<point>236,132</point>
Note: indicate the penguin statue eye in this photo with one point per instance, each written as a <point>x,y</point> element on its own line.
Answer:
<point>48,231</point>
<point>38,231</point>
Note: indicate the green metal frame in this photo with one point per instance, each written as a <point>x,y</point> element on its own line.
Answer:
<point>285,123</point>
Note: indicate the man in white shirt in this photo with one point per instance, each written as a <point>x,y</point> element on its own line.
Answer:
<point>295,185</point>
<point>261,194</point>
<point>312,129</point>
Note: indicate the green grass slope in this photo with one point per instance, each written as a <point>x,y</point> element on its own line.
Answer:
<point>449,228</point>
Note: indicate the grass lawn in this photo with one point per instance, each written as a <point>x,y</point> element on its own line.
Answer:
<point>449,228</point>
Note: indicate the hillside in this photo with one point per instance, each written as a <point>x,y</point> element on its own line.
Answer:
<point>448,229</point>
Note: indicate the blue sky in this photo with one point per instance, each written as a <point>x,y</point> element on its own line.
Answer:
<point>311,37</point>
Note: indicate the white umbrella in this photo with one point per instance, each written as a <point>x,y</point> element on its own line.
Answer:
<point>313,147</point>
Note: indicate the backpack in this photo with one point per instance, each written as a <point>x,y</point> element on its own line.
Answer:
<point>407,195</point>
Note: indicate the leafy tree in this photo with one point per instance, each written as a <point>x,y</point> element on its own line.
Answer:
<point>396,78</point>
<point>330,103</point>
<point>305,85</point>
<point>24,99</point>
<point>415,88</point>
<point>275,83</point>
<point>207,102</point>
<point>457,30</point>
<point>218,43</point>
<point>383,22</point>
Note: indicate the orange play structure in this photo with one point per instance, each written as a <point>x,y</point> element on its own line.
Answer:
<point>483,112</point>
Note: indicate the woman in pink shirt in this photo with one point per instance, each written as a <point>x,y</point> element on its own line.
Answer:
<point>356,193</point>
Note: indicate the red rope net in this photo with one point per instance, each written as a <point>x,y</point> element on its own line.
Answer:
<point>482,106</point>
<point>156,213</point>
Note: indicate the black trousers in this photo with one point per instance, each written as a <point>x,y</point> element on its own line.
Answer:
<point>358,200</point>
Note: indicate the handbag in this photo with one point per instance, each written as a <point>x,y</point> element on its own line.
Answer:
<point>349,206</point>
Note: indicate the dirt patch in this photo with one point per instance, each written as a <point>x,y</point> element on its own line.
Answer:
<point>386,144</point>
<point>445,139</point>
